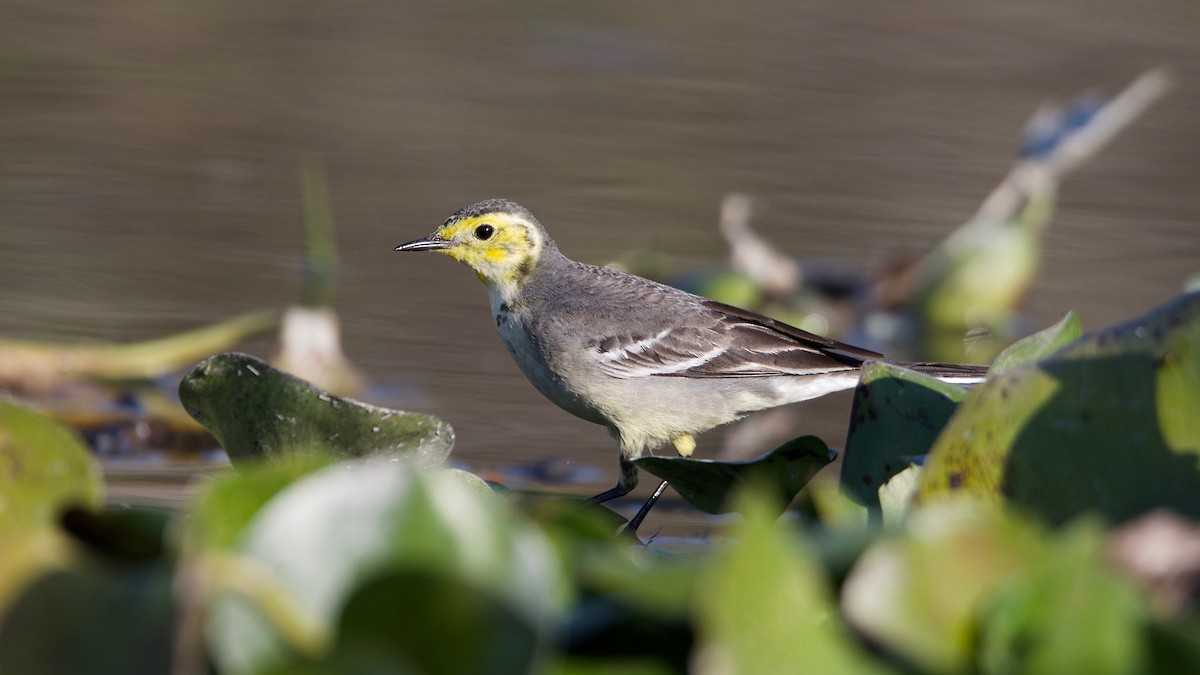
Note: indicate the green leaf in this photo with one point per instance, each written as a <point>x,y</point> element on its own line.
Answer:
<point>917,595</point>
<point>1107,424</point>
<point>44,469</point>
<point>256,411</point>
<point>324,539</point>
<point>764,605</point>
<point>897,413</point>
<point>103,620</point>
<point>457,629</point>
<point>1071,615</point>
<point>224,503</point>
<point>706,484</point>
<point>1039,345</point>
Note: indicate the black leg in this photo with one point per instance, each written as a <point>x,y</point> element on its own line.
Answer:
<point>636,521</point>
<point>626,482</point>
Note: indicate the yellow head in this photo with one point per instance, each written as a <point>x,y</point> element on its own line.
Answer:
<point>499,239</point>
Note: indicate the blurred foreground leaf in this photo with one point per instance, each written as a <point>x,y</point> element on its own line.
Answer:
<point>1108,423</point>
<point>968,587</point>
<point>225,503</point>
<point>378,524</point>
<point>257,411</point>
<point>1071,614</point>
<point>764,605</point>
<point>918,594</point>
<point>44,469</point>
<point>707,484</point>
<point>439,624</point>
<point>106,620</point>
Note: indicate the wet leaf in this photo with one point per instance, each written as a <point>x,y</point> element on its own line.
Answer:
<point>706,484</point>
<point>257,411</point>
<point>1107,424</point>
<point>1039,345</point>
<point>325,538</point>
<point>764,605</point>
<point>897,413</point>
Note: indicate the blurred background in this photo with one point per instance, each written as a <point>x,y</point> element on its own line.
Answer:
<point>149,158</point>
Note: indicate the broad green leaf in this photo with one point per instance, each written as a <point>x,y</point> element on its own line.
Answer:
<point>323,539</point>
<point>1071,614</point>
<point>1039,345</point>
<point>1107,424</point>
<point>706,484</point>
<point>107,620</point>
<point>44,469</point>
<point>918,594</point>
<point>897,413</point>
<point>226,502</point>
<point>654,585</point>
<point>445,625</point>
<point>764,605</point>
<point>257,411</point>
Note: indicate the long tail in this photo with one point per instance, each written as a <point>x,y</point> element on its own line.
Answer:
<point>954,373</point>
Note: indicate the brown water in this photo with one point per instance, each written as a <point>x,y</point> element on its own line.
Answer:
<point>148,160</point>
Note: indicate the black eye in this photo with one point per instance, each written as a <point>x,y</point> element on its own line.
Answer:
<point>484,231</point>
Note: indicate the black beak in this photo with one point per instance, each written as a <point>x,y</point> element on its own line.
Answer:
<point>431,243</point>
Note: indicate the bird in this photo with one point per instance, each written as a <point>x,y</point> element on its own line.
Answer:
<point>654,364</point>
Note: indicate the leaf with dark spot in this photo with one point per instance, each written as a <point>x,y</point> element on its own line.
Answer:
<point>896,413</point>
<point>1094,427</point>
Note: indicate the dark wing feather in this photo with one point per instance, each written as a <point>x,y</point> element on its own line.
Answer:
<point>849,354</point>
<point>727,342</point>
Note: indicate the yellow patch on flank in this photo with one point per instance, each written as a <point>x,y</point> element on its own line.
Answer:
<point>685,445</point>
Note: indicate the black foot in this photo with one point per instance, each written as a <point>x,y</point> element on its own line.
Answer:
<point>611,493</point>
